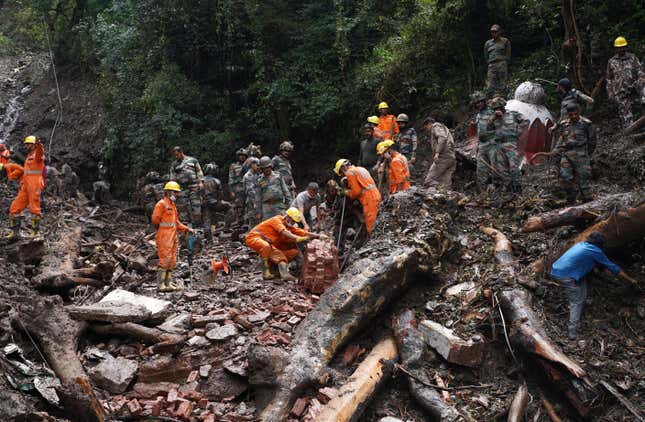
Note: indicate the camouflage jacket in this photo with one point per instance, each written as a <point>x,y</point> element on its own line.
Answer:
<point>283,166</point>
<point>212,190</point>
<point>497,51</point>
<point>250,183</point>
<point>186,171</point>
<point>573,97</point>
<point>481,120</point>
<point>235,174</point>
<point>272,189</point>
<point>367,155</point>
<point>152,193</point>
<point>624,75</point>
<point>576,135</point>
<point>508,128</point>
<point>442,141</point>
<point>407,141</point>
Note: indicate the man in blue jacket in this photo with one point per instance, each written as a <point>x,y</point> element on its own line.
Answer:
<point>572,268</point>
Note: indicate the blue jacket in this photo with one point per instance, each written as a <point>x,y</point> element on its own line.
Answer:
<point>579,260</point>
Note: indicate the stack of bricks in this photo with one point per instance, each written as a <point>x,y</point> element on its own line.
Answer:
<point>320,266</point>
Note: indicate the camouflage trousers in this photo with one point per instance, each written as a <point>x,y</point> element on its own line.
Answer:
<point>507,164</point>
<point>272,209</point>
<point>189,206</point>
<point>237,212</point>
<point>440,173</point>
<point>485,158</point>
<point>250,216</point>
<point>497,79</point>
<point>625,103</point>
<point>575,173</point>
<point>213,210</point>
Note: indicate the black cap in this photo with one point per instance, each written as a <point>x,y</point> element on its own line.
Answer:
<point>428,120</point>
<point>571,107</point>
<point>597,238</point>
<point>565,83</point>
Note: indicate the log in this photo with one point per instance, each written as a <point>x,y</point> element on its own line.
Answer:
<point>45,319</point>
<point>352,398</point>
<point>634,126</point>
<point>581,215</point>
<point>503,248</point>
<point>57,266</point>
<point>527,334</point>
<point>549,409</point>
<point>620,228</point>
<point>361,293</point>
<point>411,346</point>
<point>518,406</point>
<point>162,342</point>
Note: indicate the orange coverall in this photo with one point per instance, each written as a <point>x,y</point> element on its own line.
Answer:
<point>399,174</point>
<point>31,183</point>
<point>362,187</point>
<point>4,155</point>
<point>165,218</point>
<point>267,240</point>
<point>388,126</point>
<point>14,171</point>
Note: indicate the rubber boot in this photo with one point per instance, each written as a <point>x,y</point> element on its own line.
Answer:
<point>162,280</point>
<point>285,275</point>
<point>35,226</point>
<point>172,287</point>
<point>267,274</point>
<point>14,225</point>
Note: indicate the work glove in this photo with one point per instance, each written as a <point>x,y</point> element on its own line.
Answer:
<point>301,239</point>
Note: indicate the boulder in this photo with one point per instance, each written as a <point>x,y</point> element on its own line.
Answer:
<point>159,309</point>
<point>222,333</point>
<point>114,374</point>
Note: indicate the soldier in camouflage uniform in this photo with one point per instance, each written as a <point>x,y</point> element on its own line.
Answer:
<point>497,53</point>
<point>70,182</point>
<point>101,188</point>
<point>486,148</point>
<point>151,192</point>
<point>272,193</point>
<point>188,173</point>
<point>213,205</point>
<point>282,165</point>
<point>625,80</point>
<point>575,147</point>
<point>236,172</point>
<point>406,139</point>
<point>250,183</point>
<point>505,127</point>
<point>570,95</point>
<point>444,161</point>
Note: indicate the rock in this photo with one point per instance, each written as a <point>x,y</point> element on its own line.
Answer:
<point>264,364</point>
<point>459,288</point>
<point>235,368</point>
<point>159,309</point>
<point>108,312</point>
<point>258,317</point>
<point>114,375</point>
<point>198,341</point>
<point>151,390</point>
<point>451,347</point>
<point>204,370</point>
<point>222,333</point>
<point>178,324</point>
<point>165,369</point>
<point>204,320</point>
<point>319,266</point>
<point>221,384</point>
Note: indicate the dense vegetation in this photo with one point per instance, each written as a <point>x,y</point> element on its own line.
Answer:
<point>213,75</point>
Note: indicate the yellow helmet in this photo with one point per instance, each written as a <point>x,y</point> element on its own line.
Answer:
<point>620,42</point>
<point>339,164</point>
<point>383,105</point>
<point>373,120</point>
<point>31,139</point>
<point>294,214</point>
<point>382,146</point>
<point>173,186</point>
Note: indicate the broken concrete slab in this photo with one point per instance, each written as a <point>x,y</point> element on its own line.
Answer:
<point>258,316</point>
<point>221,384</point>
<point>108,312</point>
<point>159,309</point>
<point>451,347</point>
<point>222,333</point>
<point>198,341</point>
<point>177,324</point>
<point>146,390</point>
<point>166,368</point>
<point>114,374</point>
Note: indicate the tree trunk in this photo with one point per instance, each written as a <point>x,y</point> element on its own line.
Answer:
<point>412,346</point>
<point>353,397</point>
<point>57,267</point>
<point>584,213</point>
<point>620,228</point>
<point>46,320</point>
<point>503,248</point>
<point>517,411</point>
<point>162,342</point>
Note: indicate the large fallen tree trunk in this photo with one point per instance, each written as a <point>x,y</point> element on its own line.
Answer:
<point>162,342</point>
<point>583,214</point>
<point>527,334</point>
<point>412,346</point>
<point>503,248</point>
<point>620,228</point>
<point>353,397</point>
<point>57,267</point>
<point>45,319</point>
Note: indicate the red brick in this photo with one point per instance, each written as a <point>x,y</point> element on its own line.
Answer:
<point>209,417</point>
<point>193,376</point>
<point>134,407</point>
<point>157,406</point>
<point>203,403</point>
<point>299,407</point>
<point>172,396</point>
<point>184,410</point>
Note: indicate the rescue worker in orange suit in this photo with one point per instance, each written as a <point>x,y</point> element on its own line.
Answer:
<point>398,171</point>
<point>166,221</point>
<point>31,184</point>
<point>375,122</point>
<point>360,186</point>
<point>5,154</point>
<point>14,171</point>
<point>387,122</point>
<point>275,240</point>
